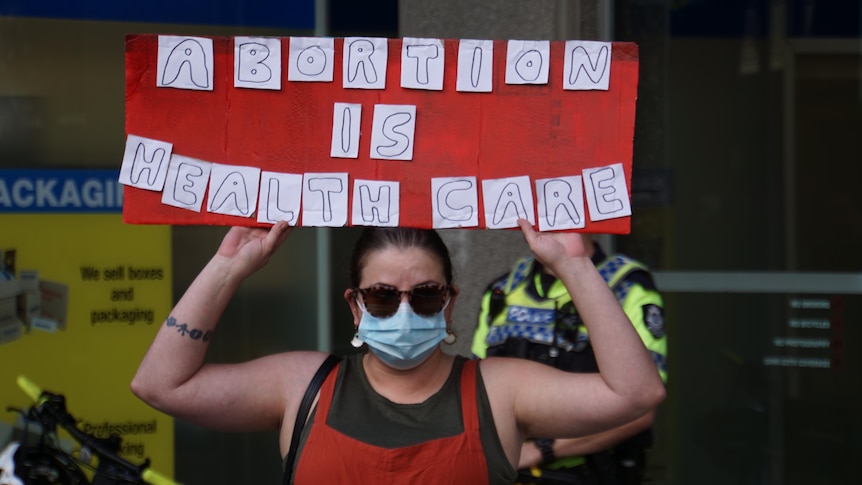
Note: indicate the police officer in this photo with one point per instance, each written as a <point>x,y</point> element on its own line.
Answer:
<point>528,313</point>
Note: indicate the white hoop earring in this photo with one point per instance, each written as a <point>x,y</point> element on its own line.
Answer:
<point>450,338</point>
<point>356,342</point>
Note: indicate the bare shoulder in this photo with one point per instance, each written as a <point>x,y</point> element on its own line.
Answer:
<point>502,374</point>
<point>506,367</point>
<point>507,378</point>
<point>504,379</point>
<point>278,381</point>
<point>294,369</point>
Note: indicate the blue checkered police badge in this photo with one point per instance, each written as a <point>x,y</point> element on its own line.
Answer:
<point>654,320</point>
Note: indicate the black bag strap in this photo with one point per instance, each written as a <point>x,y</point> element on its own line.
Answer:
<point>302,414</point>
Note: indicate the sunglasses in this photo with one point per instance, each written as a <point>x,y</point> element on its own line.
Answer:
<point>426,300</point>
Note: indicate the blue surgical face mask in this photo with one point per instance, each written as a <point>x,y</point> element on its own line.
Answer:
<point>403,340</point>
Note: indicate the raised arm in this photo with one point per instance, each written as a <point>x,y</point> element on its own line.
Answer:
<point>172,376</point>
<point>547,402</point>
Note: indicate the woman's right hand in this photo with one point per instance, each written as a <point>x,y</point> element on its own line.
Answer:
<point>172,376</point>
<point>248,249</point>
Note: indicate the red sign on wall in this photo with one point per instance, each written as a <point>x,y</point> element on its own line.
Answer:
<point>443,133</point>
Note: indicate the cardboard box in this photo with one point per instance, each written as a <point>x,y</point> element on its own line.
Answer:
<point>29,306</point>
<point>10,330</point>
<point>9,286</point>
<point>8,308</point>
<point>55,301</point>
<point>29,280</point>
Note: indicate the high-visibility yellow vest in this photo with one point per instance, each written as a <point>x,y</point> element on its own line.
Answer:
<point>550,319</point>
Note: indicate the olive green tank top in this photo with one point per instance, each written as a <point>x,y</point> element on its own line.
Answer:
<point>360,412</point>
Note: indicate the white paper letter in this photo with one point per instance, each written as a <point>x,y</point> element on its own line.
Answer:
<point>506,200</point>
<point>587,65</point>
<point>475,65</point>
<point>392,132</point>
<point>455,202</point>
<point>324,199</point>
<point>345,130</point>
<point>422,63</point>
<point>257,63</point>
<point>185,63</point>
<point>365,62</point>
<point>560,203</point>
<point>280,197</point>
<point>375,203</point>
<point>311,59</point>
<point>233,190</point>
<point>607,193</point>
<point>145,163</point>
<point>527,61</point>
<point>186,183</point>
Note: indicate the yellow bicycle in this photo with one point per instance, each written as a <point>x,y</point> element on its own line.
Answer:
<point>45,462</point>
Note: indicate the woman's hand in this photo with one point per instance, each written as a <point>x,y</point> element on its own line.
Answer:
<point>248,249</point>
<point>552,248</point>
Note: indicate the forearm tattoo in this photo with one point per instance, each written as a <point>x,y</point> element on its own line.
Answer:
<point>184,330</point>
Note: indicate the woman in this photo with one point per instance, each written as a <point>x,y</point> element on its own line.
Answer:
<point>405,412</point>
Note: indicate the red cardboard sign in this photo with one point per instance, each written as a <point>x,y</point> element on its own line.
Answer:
<point>540,131</point>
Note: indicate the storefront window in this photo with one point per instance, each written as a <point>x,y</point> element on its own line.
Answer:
<point>745,202</point>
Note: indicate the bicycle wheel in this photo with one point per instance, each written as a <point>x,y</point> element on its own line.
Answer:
<point>47,466</point>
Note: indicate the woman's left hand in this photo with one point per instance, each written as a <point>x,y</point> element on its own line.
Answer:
<point>551,248</point>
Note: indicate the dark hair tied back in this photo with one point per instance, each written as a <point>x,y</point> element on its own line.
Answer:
<point>378,238</point>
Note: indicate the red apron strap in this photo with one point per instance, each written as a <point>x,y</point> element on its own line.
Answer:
<point>326,392</point>
<point>469,403</point>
